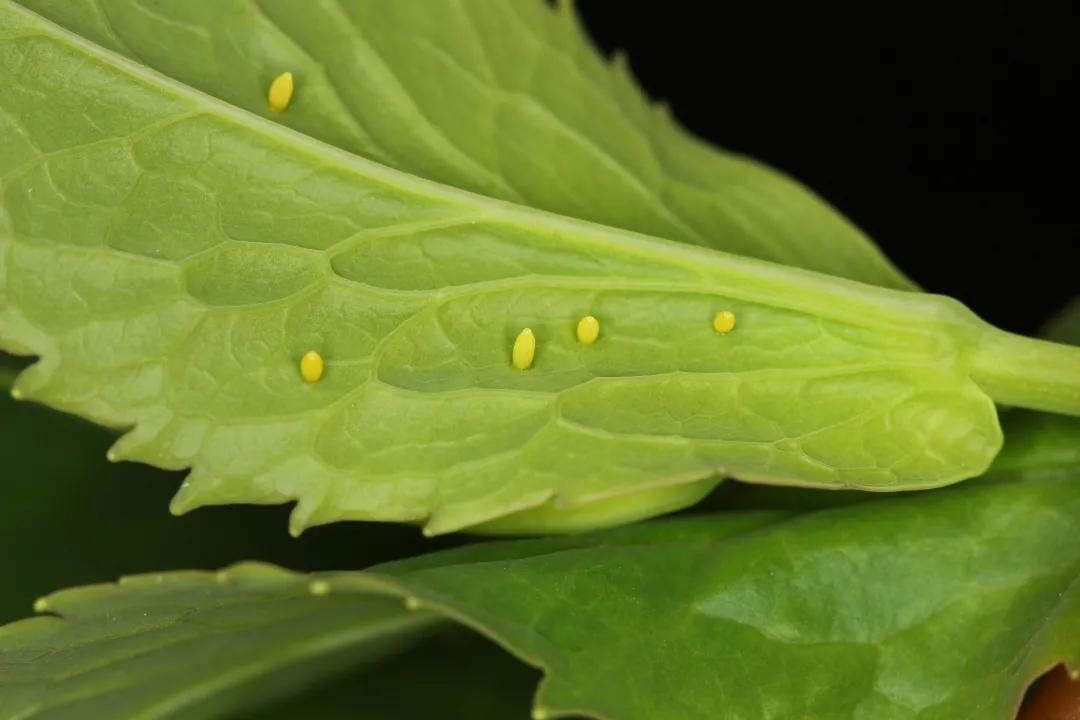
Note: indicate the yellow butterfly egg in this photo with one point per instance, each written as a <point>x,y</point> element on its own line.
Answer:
<point>311,366</point>
<point>724,322</point>
<point>588,329</point>
<point>281,91</point>
<point>524,350</point>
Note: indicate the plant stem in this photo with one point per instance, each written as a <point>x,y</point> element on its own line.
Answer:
<point>1030,373</point>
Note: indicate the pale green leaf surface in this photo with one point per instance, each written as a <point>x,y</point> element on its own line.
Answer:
<point>191,645</point>
<point>507,99</point>
<point>1037,445</point>
<point>171,257</point>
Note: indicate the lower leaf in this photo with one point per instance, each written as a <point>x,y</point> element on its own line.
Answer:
<point>190,644</point>
<point>936,605</point>
<point>940,606</point>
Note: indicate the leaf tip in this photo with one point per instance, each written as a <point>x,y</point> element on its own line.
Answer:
<point>306,514</point>
<point>178,506</point>
<point>296,526</point>
<point>41,605</point>
<point>188,497</point>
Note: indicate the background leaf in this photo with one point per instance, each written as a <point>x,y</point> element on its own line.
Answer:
<point>943,605</point>
<point>453,674</point>
<point>930,605</point>
<point>507,99</point>
<point>190,645</point>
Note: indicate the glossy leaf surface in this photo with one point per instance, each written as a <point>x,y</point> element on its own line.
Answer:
<point>943,605</point>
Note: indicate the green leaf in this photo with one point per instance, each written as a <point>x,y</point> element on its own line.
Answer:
<point>190,644</point>
<point>944,605</point>
<point>506,99</point>
<point>171,258</point>
<point>931,605</point>
<point>1038,445</point>
<point>453,675</point>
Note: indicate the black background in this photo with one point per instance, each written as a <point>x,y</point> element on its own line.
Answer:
<point>949,136</point>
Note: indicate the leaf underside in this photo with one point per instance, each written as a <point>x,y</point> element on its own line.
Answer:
<point>171,258</point>
<point>506,99</point>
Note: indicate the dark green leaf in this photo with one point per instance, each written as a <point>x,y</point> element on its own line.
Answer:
<point>190,644</point>
<point>943,605</point>
<point>454,675</point>
<point>933,605</point>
